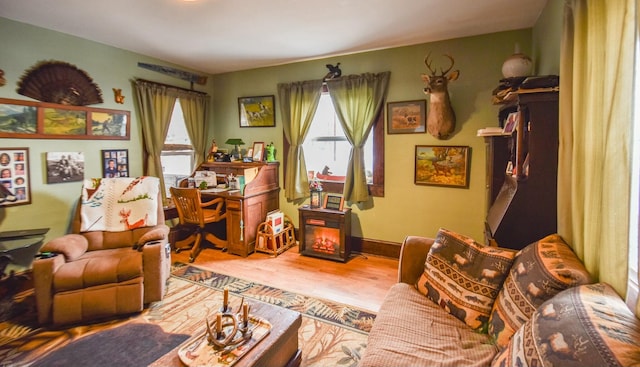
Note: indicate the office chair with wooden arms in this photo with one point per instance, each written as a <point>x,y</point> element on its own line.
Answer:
<point>192,212</point>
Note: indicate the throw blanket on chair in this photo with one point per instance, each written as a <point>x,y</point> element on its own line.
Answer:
<point>119,204</point>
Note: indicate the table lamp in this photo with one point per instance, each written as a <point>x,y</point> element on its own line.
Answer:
<point>235,142</point>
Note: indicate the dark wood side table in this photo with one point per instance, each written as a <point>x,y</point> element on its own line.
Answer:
<point>325,233</point>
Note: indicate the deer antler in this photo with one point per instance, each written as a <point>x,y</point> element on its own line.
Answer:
<point>450,67</point>
<point>428,63</point>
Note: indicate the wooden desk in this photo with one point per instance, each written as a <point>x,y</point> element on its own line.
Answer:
<point>245,211</point>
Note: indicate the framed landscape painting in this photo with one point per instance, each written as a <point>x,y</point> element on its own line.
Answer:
<point>406,117</point>
<point>440,165</point>
<point>257,111</point>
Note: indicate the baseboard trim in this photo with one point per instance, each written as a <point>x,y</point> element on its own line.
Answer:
<point>375,247</point>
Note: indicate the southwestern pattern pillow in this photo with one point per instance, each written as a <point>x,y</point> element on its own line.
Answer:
<point>539,272</point>
<point>588,325</point>
<point>464,277</point>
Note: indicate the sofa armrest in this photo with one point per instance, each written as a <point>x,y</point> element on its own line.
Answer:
<point>156,265</point>
<point>159,232</point>
<point>413,254</point>
<point>43,270</point>
<point>72,246</point>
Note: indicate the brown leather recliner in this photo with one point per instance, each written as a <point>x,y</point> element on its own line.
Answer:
<point>94,275</point>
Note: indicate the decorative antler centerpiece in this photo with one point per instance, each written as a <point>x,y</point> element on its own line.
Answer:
<point>229,329</point>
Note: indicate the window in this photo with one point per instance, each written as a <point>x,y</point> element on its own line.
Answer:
<point>326,145</point>
<point>326,148</point>
<point>177,153</point>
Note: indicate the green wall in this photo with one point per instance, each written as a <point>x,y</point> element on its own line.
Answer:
<point>406,209</point>
<point>23,47</point>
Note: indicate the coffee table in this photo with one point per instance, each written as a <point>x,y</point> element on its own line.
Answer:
<point>278,348</point>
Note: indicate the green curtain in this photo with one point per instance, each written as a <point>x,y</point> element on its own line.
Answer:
<point>357,100</point>
<point>155,104</point>
<point>298,104</point>
<point>194,110</point>
<point>595,124</point>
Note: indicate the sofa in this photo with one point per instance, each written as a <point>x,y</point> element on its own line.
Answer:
<point>460,303</point>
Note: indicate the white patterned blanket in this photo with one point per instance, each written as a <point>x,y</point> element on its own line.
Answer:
<point>119,204</point>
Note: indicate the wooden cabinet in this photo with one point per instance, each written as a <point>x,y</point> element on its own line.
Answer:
<point>523,203</point>
<point>325,233</point>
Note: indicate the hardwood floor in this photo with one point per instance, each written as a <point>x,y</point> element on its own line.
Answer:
<point>362,281</point>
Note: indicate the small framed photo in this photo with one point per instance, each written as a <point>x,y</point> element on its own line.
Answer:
<point>257,111</point>
<point>258,151</point>
<point>511,123</point>
<point>333,202</point>
<point>65,167</point>
<point>115,163</point>
<point>15,185</point>
<point>441,165</point>
<point>406,117</point>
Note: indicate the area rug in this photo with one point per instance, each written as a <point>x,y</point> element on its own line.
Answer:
<point>331,334</point>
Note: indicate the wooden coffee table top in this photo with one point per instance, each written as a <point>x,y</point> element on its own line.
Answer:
<point>278,348</point>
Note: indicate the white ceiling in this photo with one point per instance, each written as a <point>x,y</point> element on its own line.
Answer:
<point>216,36</point>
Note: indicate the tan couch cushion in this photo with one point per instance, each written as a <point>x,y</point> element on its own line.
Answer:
<point>539,272</point>
<point>99,268</point>
<point>464,277</point>
<point>588,325</point>
<point>410,330</point>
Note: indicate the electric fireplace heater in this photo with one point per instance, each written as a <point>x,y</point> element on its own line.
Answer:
<point>325,233</point>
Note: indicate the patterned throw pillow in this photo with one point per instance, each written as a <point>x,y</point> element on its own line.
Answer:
<point>539,272</point>
<point>464,277</point>
<point>588,325</point>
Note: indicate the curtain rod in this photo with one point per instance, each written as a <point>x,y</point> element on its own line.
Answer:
<point>171,86</point>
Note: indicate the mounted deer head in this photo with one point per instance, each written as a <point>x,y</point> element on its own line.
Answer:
<point>441,120</point>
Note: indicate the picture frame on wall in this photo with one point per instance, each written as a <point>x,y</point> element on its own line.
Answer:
<point>41,120</point>
<point>257,111</point>
<point>441,165</point>
<point>115,163</point>
<point>64,167</point>
<point>407,117</point>
<point>15,184</point>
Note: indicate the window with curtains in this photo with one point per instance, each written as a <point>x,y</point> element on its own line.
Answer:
<point>326,148</point>
<point>177,153</point>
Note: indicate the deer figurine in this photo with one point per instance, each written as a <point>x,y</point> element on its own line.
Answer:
<point>441,120</point>
<point>125,219</point>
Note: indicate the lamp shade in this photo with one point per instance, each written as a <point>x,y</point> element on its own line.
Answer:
<point>234,141</point>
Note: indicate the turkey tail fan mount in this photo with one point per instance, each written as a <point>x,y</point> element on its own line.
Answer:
<point>59,82</point>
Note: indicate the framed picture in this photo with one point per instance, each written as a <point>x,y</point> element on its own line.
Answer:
<point>115,163</point>
<point>441,165</point>
<point>15,186</point>
<point>257,111</point>
<point>65,167</point>
<point>41,120</point>
<point>333,202</point>
<point>64,121</point>
<point>406,117</point>
<point>18,119</point>
<point>258,151</point>
<point>109,123</point>
<point>511,123</point>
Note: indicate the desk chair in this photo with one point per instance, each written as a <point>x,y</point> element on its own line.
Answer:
<point>193,212</point>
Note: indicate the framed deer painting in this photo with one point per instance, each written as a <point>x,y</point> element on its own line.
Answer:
<point>441,165</point>
<point>407,117</point>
